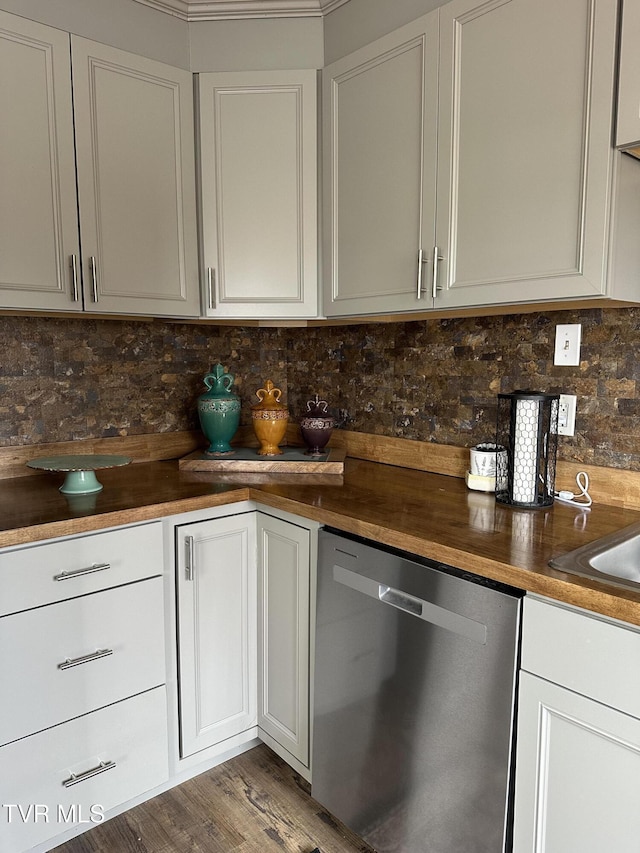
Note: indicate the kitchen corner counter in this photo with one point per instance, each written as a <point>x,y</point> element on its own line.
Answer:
<point>432,515</point>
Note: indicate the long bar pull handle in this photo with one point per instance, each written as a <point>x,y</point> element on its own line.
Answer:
<point>425,610</point>
<point>211,287</point>
<point>89,774</point>
<point>422,260</point>
<point>74,278</point>
<point>189,557</point>
<point>94,278</point>
<point>436,258</point>
<point>70,662</point>
<point>78,573</point>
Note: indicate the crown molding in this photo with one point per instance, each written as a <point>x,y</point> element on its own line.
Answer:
<point>221,10</point>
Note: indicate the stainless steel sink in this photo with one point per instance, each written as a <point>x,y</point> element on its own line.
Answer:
<point>614,559</point>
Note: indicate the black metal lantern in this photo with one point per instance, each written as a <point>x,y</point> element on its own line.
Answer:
<point>527,427</point>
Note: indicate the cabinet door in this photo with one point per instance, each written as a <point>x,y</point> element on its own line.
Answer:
<point>628,132</point>
<point>136,182</point>
<point>38,207</point>
<point>524,149</point>
<point>258,165</point>
<point>380,113</point>
<point>577,771</point>
<point>216,630</point>
<point>283,634</point>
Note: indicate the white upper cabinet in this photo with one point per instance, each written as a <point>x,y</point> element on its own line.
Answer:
<point>136,182</point>
<point>38,208</point>
<point>525,162</point>
<point>380,121</point>
<point>258,166</point>
<point>136,251</point>
<point>532,202</point>
<point>628,132</point>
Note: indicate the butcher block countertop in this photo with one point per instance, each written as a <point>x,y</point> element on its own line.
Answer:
<point>430,514</point>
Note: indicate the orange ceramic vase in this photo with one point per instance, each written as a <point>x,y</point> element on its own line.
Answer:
<point>270,418</point>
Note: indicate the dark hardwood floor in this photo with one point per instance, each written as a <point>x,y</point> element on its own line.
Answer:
<point>254,803</point>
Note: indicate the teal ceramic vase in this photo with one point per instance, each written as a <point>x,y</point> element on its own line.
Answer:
<point>219,411</point>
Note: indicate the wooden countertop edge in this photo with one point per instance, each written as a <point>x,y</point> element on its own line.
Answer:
<point>579,592</point>
<point>92,523</point>
<point>598,598</point>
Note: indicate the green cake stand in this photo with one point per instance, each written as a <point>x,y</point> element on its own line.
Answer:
<point>80,470</point>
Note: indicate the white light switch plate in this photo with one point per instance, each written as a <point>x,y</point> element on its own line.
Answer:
<point>568,340</point>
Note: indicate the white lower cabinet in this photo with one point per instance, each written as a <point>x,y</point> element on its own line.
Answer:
<point>578,748</point>
<point>83,717</point>
<point>85,727</point>
<point>216,588</point>
<point>111,695</point>
<point>284,565</point>
<point>245,598</point>
<point>75,772</point>
<point>578,770</point>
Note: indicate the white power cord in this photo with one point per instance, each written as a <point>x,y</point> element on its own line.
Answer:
<point>582,498</point>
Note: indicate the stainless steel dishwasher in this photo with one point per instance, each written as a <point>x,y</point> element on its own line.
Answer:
<point>415,683</point>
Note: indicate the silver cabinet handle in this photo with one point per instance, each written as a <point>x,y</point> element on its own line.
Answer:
<point>189,557</point>
<point>211,287</point>
<point>421,262</point>
<point>99,653</point>
<point>436,258</point>
<point>89,774</point>
<point>94,278</point>
<point>74,278</point>
<point>78,573</point>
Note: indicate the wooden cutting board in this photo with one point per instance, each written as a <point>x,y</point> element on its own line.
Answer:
<point>291,460</point>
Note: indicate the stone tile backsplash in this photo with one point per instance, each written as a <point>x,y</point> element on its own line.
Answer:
<point>436,380</point>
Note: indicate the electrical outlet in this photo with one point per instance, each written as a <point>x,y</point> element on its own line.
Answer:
<point>567,414</point>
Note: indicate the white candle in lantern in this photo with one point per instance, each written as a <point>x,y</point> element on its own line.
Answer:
<point>525,452</point>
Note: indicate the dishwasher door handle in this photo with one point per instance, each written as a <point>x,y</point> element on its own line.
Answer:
<point>424,610</point>
<point>401,600</point>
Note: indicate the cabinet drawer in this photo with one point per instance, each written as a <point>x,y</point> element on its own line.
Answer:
<point>55,571</point>
<point>33,772</point>
<point>586,653</point>
<point>41,689</point>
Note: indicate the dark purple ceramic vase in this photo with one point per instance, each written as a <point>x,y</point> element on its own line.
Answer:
<point>316,426</point>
